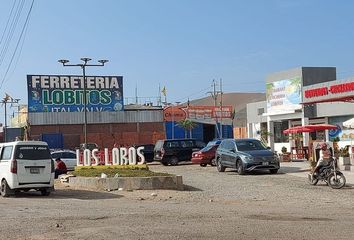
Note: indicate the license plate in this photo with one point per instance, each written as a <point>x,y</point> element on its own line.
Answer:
<point>34,170</point>
<point>265,163</point>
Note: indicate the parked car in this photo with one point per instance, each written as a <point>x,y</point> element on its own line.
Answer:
<point>67,156</point>
<point>176,150</point>
<point>148,151</point>
<point>206,155</point>
<point>26,165</point>
<point>245,155</point>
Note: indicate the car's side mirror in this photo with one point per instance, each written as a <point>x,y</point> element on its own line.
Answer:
<point>233,150</point>
<point>269,148</point>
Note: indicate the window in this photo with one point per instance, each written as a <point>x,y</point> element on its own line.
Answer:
<point>172,144</point>
<point>6,153</point>
<point>260,111</point>
<point>279,127</point>
<point>32,152</point>
<point>249,145</point>
<point>69,155</point>
<point>187,144</point>
<point>56,155</point>
<point>200,144</point>
<point>228,145</point>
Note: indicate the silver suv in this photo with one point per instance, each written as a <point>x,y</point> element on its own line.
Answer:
<point>245,155</point>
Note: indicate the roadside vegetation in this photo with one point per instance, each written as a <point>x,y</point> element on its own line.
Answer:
<point>116,170</point>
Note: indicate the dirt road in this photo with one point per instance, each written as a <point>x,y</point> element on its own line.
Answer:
<point>214,206</point>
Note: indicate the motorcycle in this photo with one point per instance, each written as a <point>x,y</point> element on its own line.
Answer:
<point>329,174</point>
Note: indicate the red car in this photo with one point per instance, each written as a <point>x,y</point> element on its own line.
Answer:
<point>206,155</point>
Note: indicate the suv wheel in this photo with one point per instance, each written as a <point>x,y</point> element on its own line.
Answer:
<point>219,166</point>
<point>174,161</point>
<point>273,171</point>
<point>5,189</point>
<point>213,162</point>
<point>240,169</point>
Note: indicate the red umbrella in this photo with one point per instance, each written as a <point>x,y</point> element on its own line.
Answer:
<point>309,128</point>
<point>321,127</point>
<point>297,129</point>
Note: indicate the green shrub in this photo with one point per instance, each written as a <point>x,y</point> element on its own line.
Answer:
<point>111,171</point>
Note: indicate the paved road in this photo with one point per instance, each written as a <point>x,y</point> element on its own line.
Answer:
<point>215,206</point>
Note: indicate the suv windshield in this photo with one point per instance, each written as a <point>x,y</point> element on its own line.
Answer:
<point>249,145</point>
<point>32,152</point>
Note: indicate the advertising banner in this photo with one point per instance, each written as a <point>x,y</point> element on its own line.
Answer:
<point>61,93</point>
<point>283,96</point>
<point>337,90</point>
<point>209,112</point>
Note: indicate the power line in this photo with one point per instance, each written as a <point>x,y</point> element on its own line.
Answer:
<point>18,42</point>
<point>7,23</point>
<point>11,31</point>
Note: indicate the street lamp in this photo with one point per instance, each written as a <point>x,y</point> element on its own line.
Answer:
<point>83,66</point>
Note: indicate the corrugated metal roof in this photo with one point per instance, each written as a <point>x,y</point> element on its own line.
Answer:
<point>53,118</point>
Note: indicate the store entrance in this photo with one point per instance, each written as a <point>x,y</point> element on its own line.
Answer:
<point>208,132</point>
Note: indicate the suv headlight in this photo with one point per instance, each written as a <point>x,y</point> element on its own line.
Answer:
<point>248,158</point>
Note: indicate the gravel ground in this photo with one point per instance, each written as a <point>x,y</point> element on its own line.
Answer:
<point>214,206</point>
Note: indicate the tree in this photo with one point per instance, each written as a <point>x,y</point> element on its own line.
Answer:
<point>187,124</point>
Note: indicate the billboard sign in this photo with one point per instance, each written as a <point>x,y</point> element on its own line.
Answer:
<point>284,96</point>
<point>209,112</point>
<point>62,93</point>
<point>337,90</point>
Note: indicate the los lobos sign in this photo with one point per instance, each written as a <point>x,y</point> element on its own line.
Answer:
<point>117,156</point>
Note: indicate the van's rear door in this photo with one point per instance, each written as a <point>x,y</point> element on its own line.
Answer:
<point>33,164</point>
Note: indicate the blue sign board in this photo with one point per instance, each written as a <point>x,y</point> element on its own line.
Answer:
<point>61,93</point>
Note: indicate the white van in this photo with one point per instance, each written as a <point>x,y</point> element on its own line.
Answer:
<point>26,165</point>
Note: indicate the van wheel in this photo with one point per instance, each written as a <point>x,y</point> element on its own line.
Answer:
<point>203,164</point>
<point>164,163</point>
<point>174,161</point>
<point>45,192</point>
<point>5,189</point>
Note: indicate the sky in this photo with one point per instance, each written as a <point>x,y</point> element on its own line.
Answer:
<point>180,44</point>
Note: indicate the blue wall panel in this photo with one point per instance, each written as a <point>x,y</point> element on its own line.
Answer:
<point>179,133</point>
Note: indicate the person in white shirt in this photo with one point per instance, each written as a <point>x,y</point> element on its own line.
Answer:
<point>325,157</point>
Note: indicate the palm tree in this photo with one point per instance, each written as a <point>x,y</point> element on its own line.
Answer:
<point>187,124</point>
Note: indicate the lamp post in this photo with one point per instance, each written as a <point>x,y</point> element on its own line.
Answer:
<point>83,67</point>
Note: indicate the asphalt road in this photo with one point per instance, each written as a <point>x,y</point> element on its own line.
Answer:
<point>214,206</point>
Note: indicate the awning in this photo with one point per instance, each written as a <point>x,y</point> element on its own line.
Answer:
<point>309,128</point>
<point>349,123</point>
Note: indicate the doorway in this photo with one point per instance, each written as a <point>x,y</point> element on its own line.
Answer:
<point>208,132</point>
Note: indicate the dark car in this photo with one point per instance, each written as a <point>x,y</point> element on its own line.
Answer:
<point>176,150</point>
<point>245,155</point>
<point>148,151</point>
<point>206,155</point>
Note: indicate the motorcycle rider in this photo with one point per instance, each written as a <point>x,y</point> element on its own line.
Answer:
<point>324,158</point>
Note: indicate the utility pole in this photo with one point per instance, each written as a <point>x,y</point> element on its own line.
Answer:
<point>7,99</point>
<point>214,95</point>
<point>221,109</point>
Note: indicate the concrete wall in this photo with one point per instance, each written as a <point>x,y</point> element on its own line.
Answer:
<point>128,183</point>
<point>54,118</point>
<point>105,135</point>
<point>334,109</point>
<point>287,74</point>
<point>252,112</point>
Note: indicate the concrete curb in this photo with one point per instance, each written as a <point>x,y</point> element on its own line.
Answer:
<point>128,183</point>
